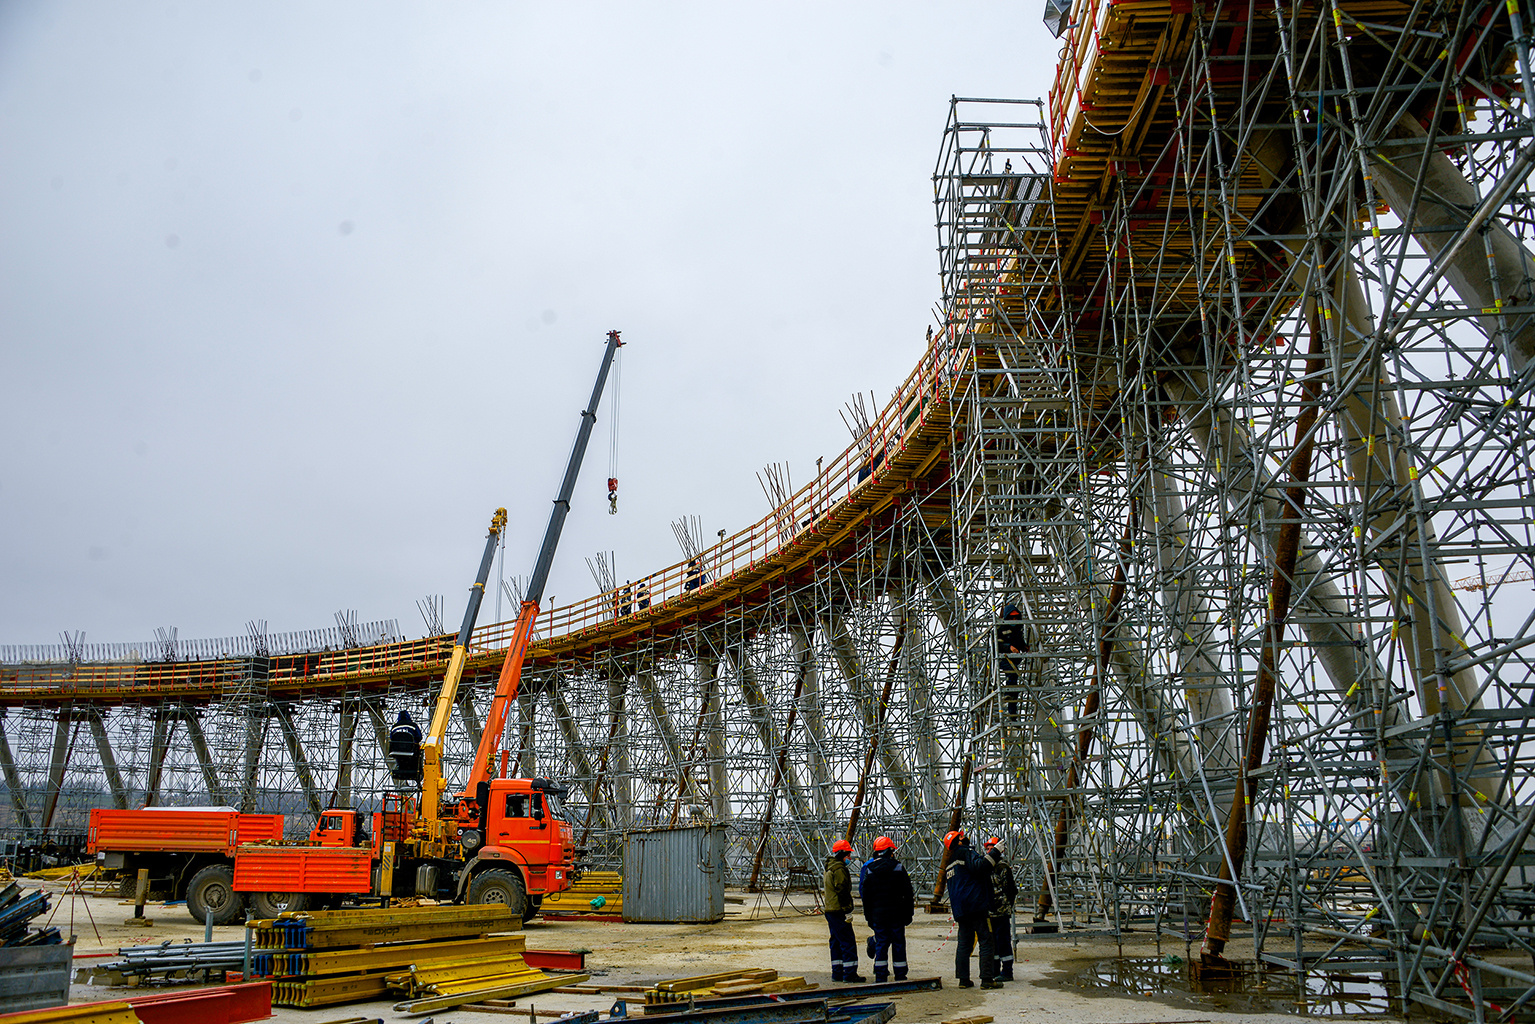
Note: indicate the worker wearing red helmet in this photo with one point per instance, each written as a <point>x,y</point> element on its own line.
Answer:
<point>837,902</point>
<point>967,876</point>
<point>1004,903</point>
<point>886,892</point>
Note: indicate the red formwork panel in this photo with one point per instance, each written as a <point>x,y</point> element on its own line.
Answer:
<point>223,1004</point>
<point>155,830</point>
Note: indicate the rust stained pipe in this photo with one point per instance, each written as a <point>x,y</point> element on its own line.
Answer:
<point>779,770</point>
<point>956,814</point>
<point>1090,707</point>
<point>879,728</point>
<point>1223,901</point>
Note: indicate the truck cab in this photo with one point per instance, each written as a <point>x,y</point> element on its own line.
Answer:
<point>339,826</point>
<point>517,844</point>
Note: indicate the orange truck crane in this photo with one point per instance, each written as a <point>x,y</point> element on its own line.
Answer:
<point>500,840</point>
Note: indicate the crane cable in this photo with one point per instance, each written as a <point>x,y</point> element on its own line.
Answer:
<point>618,376</point>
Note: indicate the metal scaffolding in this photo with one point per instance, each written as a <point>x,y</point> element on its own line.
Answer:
<point>1195,555</point>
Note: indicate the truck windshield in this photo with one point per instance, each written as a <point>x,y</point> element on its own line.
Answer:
<point>554,806</point>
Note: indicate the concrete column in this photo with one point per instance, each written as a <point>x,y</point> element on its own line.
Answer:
<point>575,748</point>
<point>1443,208</point>
<point>863,693</point>
<point>13,778</point>
<point>108,760</point>
<point>468,716</point>
<point>815,723</point>
<point>663,719</point>
<point>57,763</point>
<point>346,731</point>
<point>621,783</point>
<point>216,792</point>
<point>159,746</point>
<point>284,716</point>
<point>375,714</point>
<point>768,733</point>
<point>1204,683</point>
<point>714,737</point>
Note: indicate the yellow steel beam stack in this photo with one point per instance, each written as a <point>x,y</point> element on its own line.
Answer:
<point>329,957</point>
<point>597,894</point>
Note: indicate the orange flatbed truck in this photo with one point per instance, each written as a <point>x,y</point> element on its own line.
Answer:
<point>221,861</point>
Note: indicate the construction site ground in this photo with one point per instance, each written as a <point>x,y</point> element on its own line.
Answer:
<point>755,933</point>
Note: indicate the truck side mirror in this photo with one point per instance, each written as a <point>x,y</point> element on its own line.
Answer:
<point>538,813</point>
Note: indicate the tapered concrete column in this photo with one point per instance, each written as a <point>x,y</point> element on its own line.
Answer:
<point>375,712</point>
<point>575,747</point>
<point>1205,689</point>
<point>768,733</point>
<point>862,688</point>
<point>108,760</point>
<point>217,794</point>
<point>663,719</point>
<point>1443,208</point>
<point>159,746</point>
<point>468,716</point>
<point>1321,609</point>
<point>714,737</point>
<point>618,752</point>
<point>815,723</point>
<point>284,716</point>
<point>527,749</point>
<point>13,778</point>
<point>925,754</point>
<point>57,762</point>
<point>346,730</point>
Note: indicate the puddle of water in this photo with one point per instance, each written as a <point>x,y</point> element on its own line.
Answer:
<point>1248,989</point>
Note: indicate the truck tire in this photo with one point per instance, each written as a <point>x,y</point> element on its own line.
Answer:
<point>211,893</point>
<point>500,887</point>
<point>270,904</point>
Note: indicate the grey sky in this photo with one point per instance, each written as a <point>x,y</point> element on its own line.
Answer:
<point>292,296</point>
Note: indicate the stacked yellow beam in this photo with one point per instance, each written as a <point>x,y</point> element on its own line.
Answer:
<point>605,889</point>
<point>323,958</point>
<point>750,982</point>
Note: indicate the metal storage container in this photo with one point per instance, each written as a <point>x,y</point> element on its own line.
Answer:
<point>675,875</point>
<point>34,977</point>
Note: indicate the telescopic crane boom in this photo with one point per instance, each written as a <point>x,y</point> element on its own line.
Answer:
<point>483,769</point>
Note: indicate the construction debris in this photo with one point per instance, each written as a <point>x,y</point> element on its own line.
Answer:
<point>596,895</point>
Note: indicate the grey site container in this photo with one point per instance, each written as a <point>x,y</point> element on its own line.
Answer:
<point>675,875</point>
<point>34,977</point>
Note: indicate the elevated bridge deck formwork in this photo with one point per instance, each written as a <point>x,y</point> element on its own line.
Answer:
<point>1232,402</point>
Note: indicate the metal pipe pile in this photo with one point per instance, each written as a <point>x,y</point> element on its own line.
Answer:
<point>179,961</point>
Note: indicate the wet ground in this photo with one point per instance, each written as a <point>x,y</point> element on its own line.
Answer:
<point>1250,988</point>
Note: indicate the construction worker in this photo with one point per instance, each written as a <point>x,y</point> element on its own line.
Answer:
<point>837,903</point>
<point>886,892</point>
<point>1011,646</point>
<point>968,880</point>
<point>1004,902</point>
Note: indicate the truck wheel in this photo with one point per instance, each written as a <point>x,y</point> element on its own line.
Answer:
<point>499,887</point>
<point>211,894</point>
<point>270,904</point>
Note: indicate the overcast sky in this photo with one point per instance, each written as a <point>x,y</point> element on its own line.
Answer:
<point>292,296</point>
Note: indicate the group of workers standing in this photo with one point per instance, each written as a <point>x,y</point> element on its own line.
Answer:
<point>982,897</point>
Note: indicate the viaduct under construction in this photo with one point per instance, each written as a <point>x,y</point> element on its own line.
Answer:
<point>1232,402</point>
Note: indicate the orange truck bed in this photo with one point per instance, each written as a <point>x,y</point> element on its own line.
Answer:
<point>327,869</point>
<point>155,830</point>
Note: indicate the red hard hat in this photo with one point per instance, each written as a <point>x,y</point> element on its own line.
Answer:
<point>993,841</point>
<point>953,837</point>
<point>884,843</point>
<point>842,846</point>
